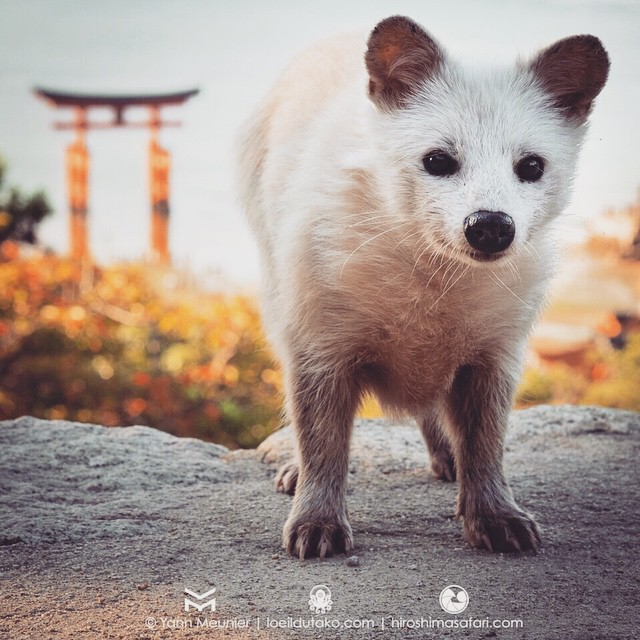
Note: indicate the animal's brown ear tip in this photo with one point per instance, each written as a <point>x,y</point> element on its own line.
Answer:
<point>395,21</point>
<point>595,47</point>
<point>592,42</point>
<point>590,45</point>
<point>599,57</point>
<point>394,24</point>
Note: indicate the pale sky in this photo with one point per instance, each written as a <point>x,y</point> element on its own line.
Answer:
<point>233,51</point>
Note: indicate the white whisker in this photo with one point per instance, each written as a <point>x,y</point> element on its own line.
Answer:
<point>407,236</point>
<point>453,284</point>
<point>511,291</point>
<point>532,247</point>
<point>371,239</point>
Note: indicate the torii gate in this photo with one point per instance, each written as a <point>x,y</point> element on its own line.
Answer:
<point>78,159</point>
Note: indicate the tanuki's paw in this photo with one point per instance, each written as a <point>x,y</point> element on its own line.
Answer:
<point>306,535</point>
<point>514,531</point>
<point>287,478</point>
<point>443,465</point>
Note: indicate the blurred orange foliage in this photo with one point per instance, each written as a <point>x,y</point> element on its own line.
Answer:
<point>608,377</point>
<point>131,345</point>
<point>127,345</point>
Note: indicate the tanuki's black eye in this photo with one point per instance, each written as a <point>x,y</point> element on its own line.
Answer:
<point>530,168</point>
<point>439,163</point>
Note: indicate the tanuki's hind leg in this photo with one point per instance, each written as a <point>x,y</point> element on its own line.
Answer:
<point>442,460</point>
<point>287,478</point>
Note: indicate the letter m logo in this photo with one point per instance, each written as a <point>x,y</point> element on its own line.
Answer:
<point>197,602</point>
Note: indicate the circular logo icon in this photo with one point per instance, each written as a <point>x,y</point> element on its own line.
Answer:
<point>320,599</point>
<point>454,599</point>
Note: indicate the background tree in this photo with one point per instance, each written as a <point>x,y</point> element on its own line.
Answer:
<point>20,214</point>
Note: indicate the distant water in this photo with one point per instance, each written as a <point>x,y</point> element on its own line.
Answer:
<point>233,52</point>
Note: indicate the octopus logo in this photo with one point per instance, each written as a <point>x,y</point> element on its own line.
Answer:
<point>320,600</point>
<point>454,599</point>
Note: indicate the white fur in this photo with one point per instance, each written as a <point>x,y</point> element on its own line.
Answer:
<point>319,139</point>
<point>369,282</point>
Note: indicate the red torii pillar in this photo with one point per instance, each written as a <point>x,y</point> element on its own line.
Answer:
<point>77,156</point>
<point>159,169</point>
<point>78,189</point>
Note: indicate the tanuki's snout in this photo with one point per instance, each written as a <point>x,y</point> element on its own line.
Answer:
<point>489,231</point>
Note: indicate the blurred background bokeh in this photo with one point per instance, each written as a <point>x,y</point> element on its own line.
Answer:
<point>121,337</point>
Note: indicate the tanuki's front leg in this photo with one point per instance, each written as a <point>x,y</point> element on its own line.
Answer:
<point>478,408</point>
<point>322,403</point>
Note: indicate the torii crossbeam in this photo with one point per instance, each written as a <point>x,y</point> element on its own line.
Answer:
<point>78,158</point>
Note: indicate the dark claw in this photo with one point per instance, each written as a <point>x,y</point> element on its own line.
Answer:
<point>322,540</point>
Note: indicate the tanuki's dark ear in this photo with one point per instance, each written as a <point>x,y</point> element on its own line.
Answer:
<point>573,71</point>
<point>400,56</point>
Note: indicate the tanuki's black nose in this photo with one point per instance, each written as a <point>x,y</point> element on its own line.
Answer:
<point>489,231</point>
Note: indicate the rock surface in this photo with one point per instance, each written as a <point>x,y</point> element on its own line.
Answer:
<point>102,529</point>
